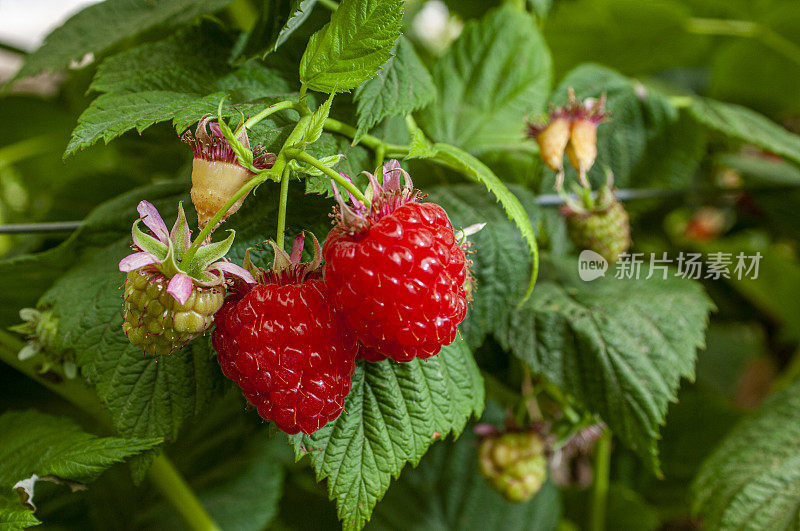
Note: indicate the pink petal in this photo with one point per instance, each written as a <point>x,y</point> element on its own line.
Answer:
<point>180,287</point>
<point>216,131</point>
<point>297,248</point>
<point>353,201</point>
<point>236,270</point>
<point>392,173</point>
<point>135,261</point>
<point>153,220</point>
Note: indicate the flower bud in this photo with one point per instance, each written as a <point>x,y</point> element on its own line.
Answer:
<point>582,147</point>
<point>216,172</point>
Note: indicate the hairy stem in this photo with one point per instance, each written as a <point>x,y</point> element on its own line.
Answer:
<point>75,391</point>
<point>178,493</point>
<point>282,208</point>
<point>374,143</point>
<point>272,109</point>
<point>302,156</point>
<point>330,4</point>
<point>214,221</point>
<point>380,154</point>
<point>602,470</point>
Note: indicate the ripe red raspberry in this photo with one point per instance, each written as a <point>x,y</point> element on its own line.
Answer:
<point>282,343</point>
<point>396,272</point>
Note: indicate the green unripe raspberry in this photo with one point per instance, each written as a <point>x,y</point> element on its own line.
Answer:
<point>157,323</point>
<point>514,464</point>
<point>604,229</point>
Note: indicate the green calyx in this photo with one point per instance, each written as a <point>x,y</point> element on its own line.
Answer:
<point>171,252</point>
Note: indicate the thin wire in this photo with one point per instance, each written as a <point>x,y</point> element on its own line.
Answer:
<point>35,228</point>
<point>544,200</point>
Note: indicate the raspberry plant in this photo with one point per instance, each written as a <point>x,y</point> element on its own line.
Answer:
<point>445,366</point>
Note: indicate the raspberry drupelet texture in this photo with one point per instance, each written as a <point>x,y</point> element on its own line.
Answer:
<point>397,273</point>
<point>155,321</point>
<point>282,343</point>
<point>170,296</point>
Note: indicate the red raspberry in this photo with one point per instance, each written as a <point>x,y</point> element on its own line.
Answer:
<point>283,345</point>
<point>396,272</point>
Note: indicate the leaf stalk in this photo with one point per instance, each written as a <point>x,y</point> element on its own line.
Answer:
<point>602,472</point>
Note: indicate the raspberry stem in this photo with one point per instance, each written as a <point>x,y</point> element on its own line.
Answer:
<point>214,221</point>
<point>747,29</point>
<point>602,468</point>
<point>391,150</point>
<point>272,109</point>
<point>302,156</point>
<point>282,207</point>
<point>175,489</point>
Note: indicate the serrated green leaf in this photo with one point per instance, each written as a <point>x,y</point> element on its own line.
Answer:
<point>228,460</point>
<point>110,115</point>
<point>23,279</point>
<point>496,73</point>
<point>145,396</point>
<point>352,46</point>
<point>232,465</point>
<point>317,122</point>
<point>746,125</point>
<point>393,413</point>
<point>402,85</point>
<point>14,515</point>
<point>277,20</point>
<point>420,147</point>
<point>619,347</point>
<point>752,480</point>
<point>300,10</point>
<point>99,27</point>
<point>35,446</point>
<point>447,491</point>
<point>179,79</point>
<point>470,166</point>
<point>501,262</point>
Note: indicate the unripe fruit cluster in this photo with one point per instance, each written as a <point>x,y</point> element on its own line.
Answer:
<point>156,322</point>
<point>514,464</point>
<point>393,287</point>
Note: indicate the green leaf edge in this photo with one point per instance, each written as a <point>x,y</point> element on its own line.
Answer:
<point>465,163</point>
